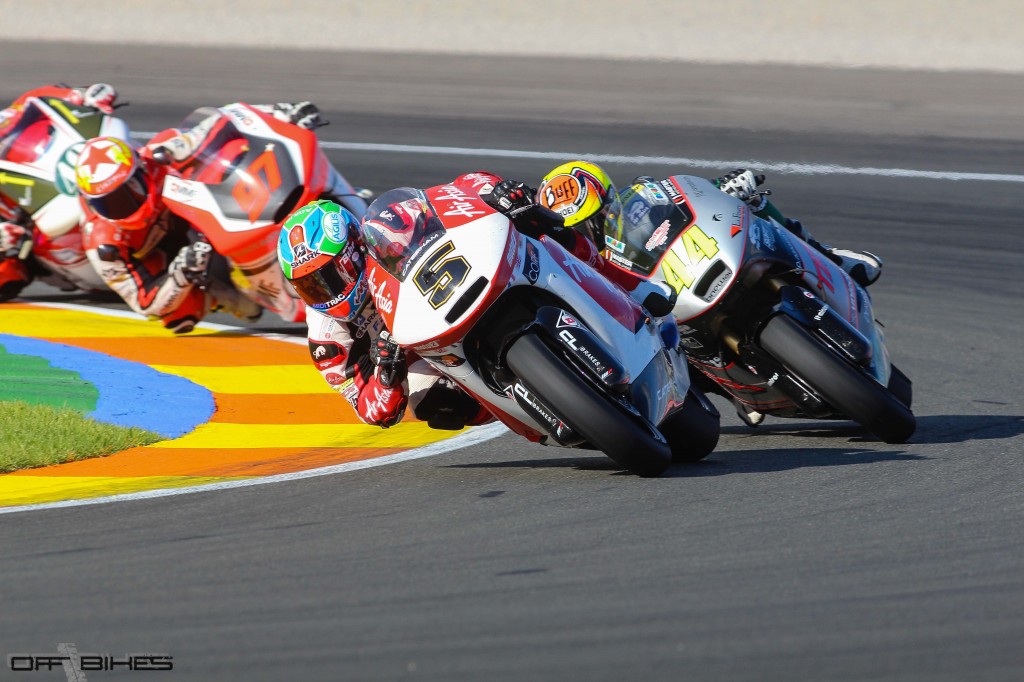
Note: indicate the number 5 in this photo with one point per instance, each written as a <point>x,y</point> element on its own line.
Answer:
<point>438,277</point>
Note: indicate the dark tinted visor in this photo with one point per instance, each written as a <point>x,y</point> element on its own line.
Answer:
<point>328,283</point>
<point>123,201</point>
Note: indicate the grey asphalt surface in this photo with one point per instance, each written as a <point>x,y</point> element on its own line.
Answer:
<point>797,551</point>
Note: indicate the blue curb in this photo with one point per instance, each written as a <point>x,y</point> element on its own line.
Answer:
<point>131,394</point>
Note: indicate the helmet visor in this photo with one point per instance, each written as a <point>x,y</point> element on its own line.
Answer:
<point>124,200</point>
<point>331,284</point>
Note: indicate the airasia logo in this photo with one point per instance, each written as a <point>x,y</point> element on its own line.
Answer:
<point>381,299</point>
<point>380,406</point>
<point>460,203</point>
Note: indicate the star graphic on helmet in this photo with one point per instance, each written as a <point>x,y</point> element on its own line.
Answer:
<point>95,156</point>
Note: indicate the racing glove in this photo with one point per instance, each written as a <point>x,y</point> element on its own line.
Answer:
<point>381,405</point>
<point>176,148</point>
<point>511,197</point>
<point>191,264</point>
<point>743,185</point>
<point>15,240</point>
<point>100,96</point>
<point>15,246</point>
<point>303,114</point>
<point>389,360</point>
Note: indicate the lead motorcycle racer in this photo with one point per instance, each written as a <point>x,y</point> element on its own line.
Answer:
<point>152,258</point>
<point>322,255</point>
<point>580,191</point>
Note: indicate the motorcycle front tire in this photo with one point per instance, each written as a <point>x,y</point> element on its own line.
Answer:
<point>693,430</point>
<point>606,425</point>
<point>843,386</point>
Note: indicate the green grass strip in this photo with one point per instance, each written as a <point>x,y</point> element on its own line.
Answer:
<point>31,379</point>
<point>38,435</point>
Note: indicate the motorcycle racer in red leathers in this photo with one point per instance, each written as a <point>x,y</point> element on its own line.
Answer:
<point>156,261</point>
<point>146,254</point>
<point>29,141</point>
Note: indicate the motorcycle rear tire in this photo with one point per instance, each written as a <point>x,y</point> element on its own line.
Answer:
<point>843,386</point>
<point>596,417</point>
<point>692,432</point>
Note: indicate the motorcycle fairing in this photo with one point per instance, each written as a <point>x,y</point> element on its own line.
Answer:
<point>41,178</point>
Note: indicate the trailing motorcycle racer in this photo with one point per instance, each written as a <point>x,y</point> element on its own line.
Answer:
<point>39,134</point>
<point>156,261</point>
<point>322,255</point>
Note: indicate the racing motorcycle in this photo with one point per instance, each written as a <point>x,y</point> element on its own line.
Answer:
<point>547,345</point>
<point>39,145</point>
<point>766,319</point>
<point>249,174</point>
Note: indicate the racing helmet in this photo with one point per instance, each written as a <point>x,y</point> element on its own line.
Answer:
<point>583,194</point>
<point>321,254</point>
<point>115,183</point>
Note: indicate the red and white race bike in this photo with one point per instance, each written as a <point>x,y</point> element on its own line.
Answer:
<point>250,173</point>
<point>39,147</point>
<point>772,322</point>
<point>551,348</point>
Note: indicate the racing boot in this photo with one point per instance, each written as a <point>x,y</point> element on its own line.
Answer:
<point>747,415</point>
<point>863,267</point>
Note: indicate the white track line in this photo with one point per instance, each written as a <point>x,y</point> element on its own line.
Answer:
<point>473,436</point>
<point>783,167</point>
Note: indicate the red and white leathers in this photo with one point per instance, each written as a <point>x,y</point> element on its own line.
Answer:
<point>27,252</point>
<point>15,246</point>
<point>140,265</point>
<point>483,183</point>
<point>341,352</point>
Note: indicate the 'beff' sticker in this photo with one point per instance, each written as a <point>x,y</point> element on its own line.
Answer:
<point>564,194</point>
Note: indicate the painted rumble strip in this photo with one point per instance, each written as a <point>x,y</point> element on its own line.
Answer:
<point>273,417</point>
<point>130,394</point>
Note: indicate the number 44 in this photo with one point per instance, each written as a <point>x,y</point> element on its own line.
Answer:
<point>698,246</point>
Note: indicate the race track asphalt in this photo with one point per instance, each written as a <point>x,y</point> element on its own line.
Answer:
<point>797,551</point>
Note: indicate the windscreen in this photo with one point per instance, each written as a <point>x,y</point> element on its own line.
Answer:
<point>398,226</point>
<point>649,224</point>
<point>250,177</point>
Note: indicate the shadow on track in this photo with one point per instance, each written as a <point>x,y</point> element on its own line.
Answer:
<point>931,429</point>
<point>962,428</point>
<point>720,463</point>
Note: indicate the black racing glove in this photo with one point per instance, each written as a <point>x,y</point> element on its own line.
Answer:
<point>389,359</point>
<point>511,197</point>
<point>193,262</point>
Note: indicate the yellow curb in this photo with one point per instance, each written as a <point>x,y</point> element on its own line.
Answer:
<point>270,436</point>
<point>19,490</point>
<point>257,379</point>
